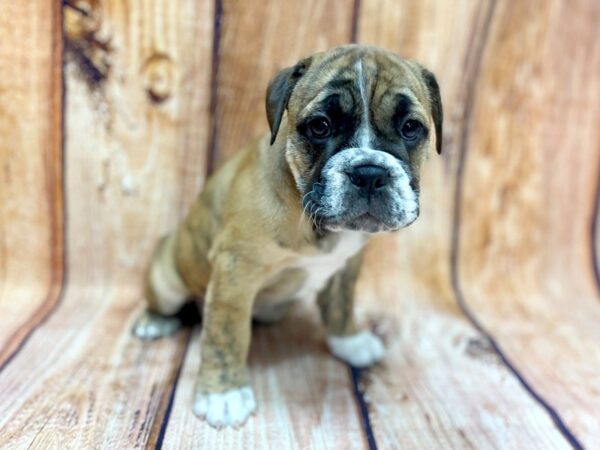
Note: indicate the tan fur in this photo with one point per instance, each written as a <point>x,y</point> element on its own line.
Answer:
<point>246,234</point>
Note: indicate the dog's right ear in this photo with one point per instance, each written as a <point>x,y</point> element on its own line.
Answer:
<point>279,92</point>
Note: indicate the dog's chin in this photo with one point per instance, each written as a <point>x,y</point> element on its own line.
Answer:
<point>366,223</point>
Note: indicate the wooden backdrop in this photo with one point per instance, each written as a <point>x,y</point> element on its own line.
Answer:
<point>112,113</point>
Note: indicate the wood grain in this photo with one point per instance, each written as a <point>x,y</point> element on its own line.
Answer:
<point>441,377</point>
<point>137,137</point>
<point>525,255</point>
<point>136,120</point>
<point>82,381</point>
<point>441,384</point>
<point>259,38</point>
<point>595,229</point>
<point>31,214</point>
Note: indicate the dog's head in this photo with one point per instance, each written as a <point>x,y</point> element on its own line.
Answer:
<point>360,122</point>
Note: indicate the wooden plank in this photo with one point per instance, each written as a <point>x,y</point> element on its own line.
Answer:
<point>31,214</point>
<point>526,253</point>
<point>441,385</point>
<point>259,38</point>
<point>82,381</point>
<point>137,129</point>
<point>138,91</point>
<point>595,232</point>
<point>303,394</point>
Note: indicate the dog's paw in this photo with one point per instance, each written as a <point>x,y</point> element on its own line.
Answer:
<point>359,350</point>
<point>225,409</point>
<point>153,326</point>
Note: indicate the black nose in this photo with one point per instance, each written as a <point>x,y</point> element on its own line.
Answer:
<point>369,178</point>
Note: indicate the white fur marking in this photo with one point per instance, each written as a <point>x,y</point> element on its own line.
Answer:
<point>359,350</point>
<point>365,132</point>
<point>225,409</point>
<point>319,269</point>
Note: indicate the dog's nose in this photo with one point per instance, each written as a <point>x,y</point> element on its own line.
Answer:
<point>369,178</point>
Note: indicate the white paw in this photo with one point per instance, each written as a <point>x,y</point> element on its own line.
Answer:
<point>153,326</point>
<point>359,350</point>
<point>225,409</point>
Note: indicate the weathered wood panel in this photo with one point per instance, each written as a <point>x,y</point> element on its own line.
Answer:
<point>441,376</point>
<point>137,106</point>
<point>83,382</point>
<point>528,202</point>
<point>138,93</point>
<point>596,236</point>
<point>31,210</point>
<point>441,384</point>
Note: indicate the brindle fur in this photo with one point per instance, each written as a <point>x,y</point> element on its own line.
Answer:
<point>336,300</point>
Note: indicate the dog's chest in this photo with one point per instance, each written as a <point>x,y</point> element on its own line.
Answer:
<point>318,269</point>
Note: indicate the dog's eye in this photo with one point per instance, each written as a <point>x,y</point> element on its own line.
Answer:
<point>319,127</point>
<point>411,129</point>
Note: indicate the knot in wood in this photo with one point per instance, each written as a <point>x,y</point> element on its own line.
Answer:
<point>158,75</point>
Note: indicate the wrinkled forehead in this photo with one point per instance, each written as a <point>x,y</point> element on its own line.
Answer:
<point>354,73</point>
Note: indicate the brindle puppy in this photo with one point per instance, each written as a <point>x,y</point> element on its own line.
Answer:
<point>287,218</point>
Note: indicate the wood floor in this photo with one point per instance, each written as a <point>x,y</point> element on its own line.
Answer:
<point>112,113</point>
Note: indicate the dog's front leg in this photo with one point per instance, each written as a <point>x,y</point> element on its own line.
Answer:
<point>336,302</point>
<point>223,395</point>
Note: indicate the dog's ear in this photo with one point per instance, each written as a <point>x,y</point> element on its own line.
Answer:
<point>279,92</point>
<point>436,106</point>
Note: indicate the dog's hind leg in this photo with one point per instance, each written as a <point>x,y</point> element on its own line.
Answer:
<point>166,293</point>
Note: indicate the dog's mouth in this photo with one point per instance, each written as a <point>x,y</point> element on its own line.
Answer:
<point>370,217</point>
<point>365,222</point>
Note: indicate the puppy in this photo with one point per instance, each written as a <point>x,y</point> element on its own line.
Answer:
<point>287,218</point>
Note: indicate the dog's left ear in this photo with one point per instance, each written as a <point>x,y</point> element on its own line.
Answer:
<point>436,106</point>
<point>279,92</point>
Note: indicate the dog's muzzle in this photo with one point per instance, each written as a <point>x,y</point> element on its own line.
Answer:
<point>362,189</point>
